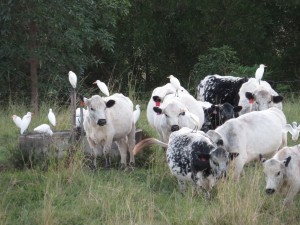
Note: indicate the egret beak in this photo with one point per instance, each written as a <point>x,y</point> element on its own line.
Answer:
<point>168,77</point>
<point>265,66</point>
<point>95,82</point>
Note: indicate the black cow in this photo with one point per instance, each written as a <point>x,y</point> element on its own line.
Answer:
<point>218,89</point>
<point>216,115</point>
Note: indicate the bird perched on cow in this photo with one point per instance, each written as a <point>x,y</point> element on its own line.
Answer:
<point>136,113</point>
<point>260,72</point>
<point>25,122</point>
<point>43,129</point>
<point>73,79</point>
<point>52,117</point>
<point>17,120</point>
<point>102,86</point>
<point>176,84</point>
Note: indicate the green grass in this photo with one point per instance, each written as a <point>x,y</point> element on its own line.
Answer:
<point>73,194</point>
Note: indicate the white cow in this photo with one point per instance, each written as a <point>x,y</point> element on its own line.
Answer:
<point>257,97</point>
<point>173,114</point>
<point>251,134</point>
<point>282,173</point>
<point>110,119</point>
<point>193,157</point>
<point>157,97</point>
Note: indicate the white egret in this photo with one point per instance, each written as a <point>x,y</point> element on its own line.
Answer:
<point>73,79</point>
<point>25,122</point>
<point>78,116</point>
<point>176,83</point>
<point>136,113</point>
<point>293,130</point>
<point>193,119</point>
<point>52,117</point>
<point>43,129</point>
<point>102,86</point>
<point>17,120</point>
<point>260,72</point>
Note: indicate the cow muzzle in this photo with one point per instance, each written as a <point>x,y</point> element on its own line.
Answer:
<point>174,128</point>
<point>101,122</point>
<point>270,191</point>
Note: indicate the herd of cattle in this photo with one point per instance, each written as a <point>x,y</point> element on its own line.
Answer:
<point>233,119</point>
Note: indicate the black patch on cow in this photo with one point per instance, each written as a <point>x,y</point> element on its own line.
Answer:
<point>157,110</point>
<point>277,99</point>
<point>233,155</point>
<point>219,91</point>
<point>110,103</point>
<point>287,161</point>
<point>237,109</point>
<point>200,158</point>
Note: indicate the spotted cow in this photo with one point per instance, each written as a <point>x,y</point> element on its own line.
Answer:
<point>192,156</point>
<point>218,89</point>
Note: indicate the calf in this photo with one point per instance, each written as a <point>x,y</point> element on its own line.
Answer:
<point>282,173</point>
<point>110,119</point>
<point>193,156</point>
<point>252,134</point>
<point>216,115</point>
<point>218,89</point>
<point>257,97</point>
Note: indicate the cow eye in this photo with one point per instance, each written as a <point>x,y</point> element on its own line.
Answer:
<point>182,114</point>
<point>269,102</point>
<point>278,173</point>
<point>92,109</point>
<point>166,115</point>
<point>216,163</point>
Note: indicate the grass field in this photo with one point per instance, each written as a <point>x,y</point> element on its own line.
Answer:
<point>73,194</point>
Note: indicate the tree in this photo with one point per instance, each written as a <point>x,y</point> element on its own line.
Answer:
<point>44,39</point>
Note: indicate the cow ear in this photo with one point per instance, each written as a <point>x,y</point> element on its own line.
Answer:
<point>250,96</point>
<point>157,110</point>
<point>261,158</point>
<point>287,161</point>
<point>277,99</point>
<point>237,108</point>
<point>156,98</point>
<point>86,101</point>
<point>214,136</point>
<point>233,155</point>
<point>110,103</point>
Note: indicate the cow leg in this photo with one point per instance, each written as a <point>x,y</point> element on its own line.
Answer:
<point>122,146</point>
<point>182,186</point>
<point>239,166</point>
<point>131,144</point>
<point>94,147</point>
<point>106,153</point>
<point>293,190</point>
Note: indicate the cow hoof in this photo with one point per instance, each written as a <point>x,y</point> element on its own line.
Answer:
<point>122,166</point>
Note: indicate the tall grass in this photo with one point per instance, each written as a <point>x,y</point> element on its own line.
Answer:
<point>73,194</point>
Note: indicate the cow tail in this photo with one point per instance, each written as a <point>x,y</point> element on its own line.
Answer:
<point>147,142</point>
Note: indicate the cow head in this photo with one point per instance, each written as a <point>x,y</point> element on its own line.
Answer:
<point>172,112</point>
<point>275,172</point>
<point>97,109</point>
<point>218,114</point>
<point>219,160</point>
<point>262,99</point>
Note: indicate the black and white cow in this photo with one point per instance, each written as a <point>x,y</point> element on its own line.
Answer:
<point>193,156</point>
<point>216,115</point>
<point>218,89</point>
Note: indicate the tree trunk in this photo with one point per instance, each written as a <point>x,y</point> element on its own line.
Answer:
<point>33,62</point>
